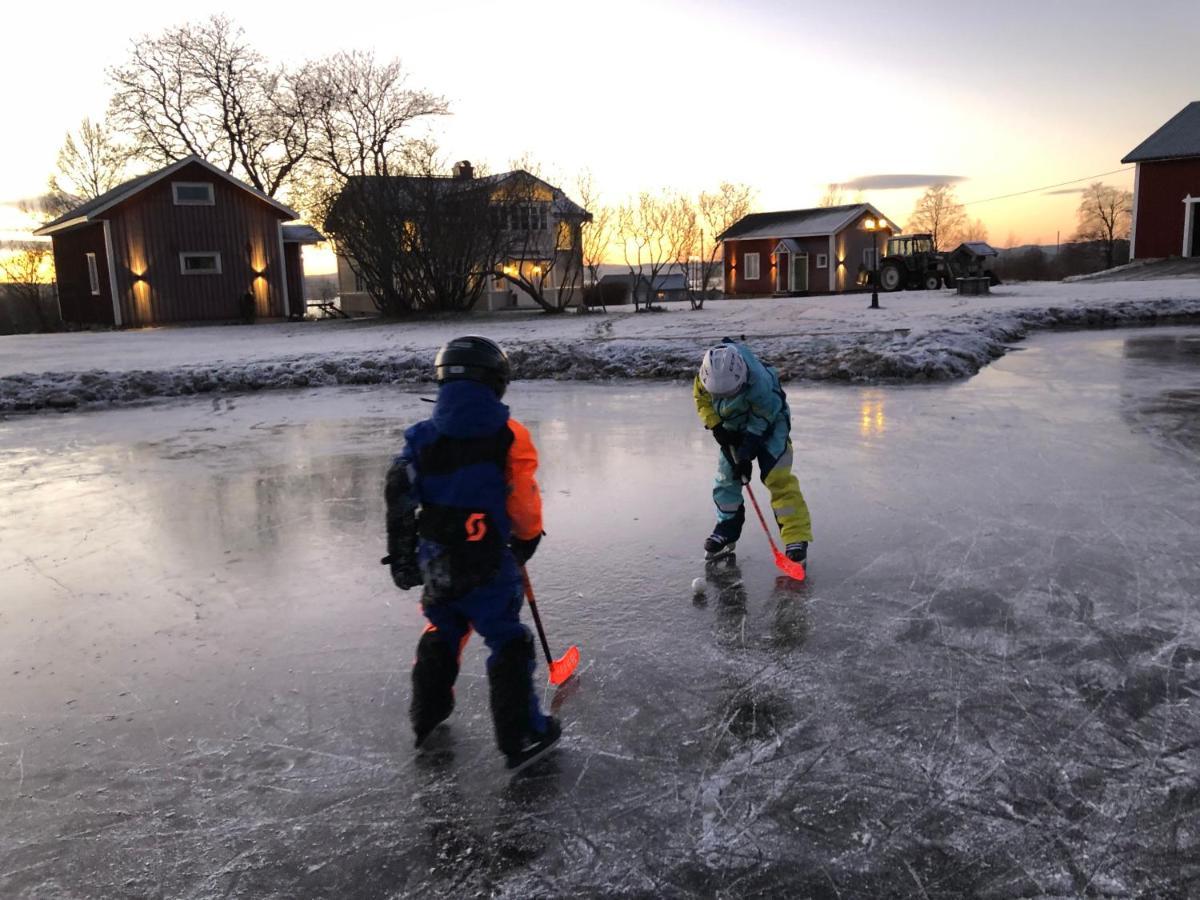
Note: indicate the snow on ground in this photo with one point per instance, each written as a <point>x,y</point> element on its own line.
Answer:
<point>917,335</point>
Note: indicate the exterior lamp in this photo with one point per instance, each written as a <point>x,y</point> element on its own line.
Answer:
<point>874,226</point>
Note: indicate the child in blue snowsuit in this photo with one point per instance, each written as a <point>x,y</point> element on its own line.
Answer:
<point>463,514</point>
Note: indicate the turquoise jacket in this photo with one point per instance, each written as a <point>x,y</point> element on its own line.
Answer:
<point>755,409</point>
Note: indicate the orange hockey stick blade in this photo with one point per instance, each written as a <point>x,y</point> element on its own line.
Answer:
<point>564,667</point>
<point>788,567</point>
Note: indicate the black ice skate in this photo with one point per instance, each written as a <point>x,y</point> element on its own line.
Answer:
<point>535,746</point>
<point>723,540</point>
<point>797,552</point>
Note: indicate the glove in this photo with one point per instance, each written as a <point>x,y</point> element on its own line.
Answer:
<point>523,550</point>
<point>405,574</point>
<point>747,450</point>
<point>725,437</point>
<point>750,447</point>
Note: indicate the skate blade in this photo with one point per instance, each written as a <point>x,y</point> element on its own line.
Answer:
<point>727,550</point>
<point>529,761</point>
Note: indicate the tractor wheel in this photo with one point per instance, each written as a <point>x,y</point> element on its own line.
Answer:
<point>891,278</point>
<point>950,279</point>
<point>931,281</point>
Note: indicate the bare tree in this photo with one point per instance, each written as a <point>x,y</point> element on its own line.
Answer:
<point>974,230</point>
<point>91,161</point>
<point>201,88</point>
<point>417,239</point>
<point>939,214</point>
<point>643,228</point>
<point>382,194</point>
<point>684,227</point>
<point>835,195</point>
<point>719,211</point>
<point>1105,213</point>
<point>599,231</point>
<point>27,267</point>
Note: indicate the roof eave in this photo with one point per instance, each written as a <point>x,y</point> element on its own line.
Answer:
<point>61,226</point>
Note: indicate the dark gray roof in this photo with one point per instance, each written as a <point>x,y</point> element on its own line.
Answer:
<point>977,248</point>
<point>1180,137</point>
<point>132,186</point>
<point>85,211</point>
<point>301,234</point>
<point>564,206</point>
<point>664,281</point>
<point>797,222</point>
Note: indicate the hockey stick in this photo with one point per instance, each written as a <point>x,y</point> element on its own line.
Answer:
<point>560,669</point>
<point>787,566</point>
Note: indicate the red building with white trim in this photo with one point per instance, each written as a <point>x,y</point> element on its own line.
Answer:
<point>1166,189</point>
<point>801,251</point>
<point>186,243</point>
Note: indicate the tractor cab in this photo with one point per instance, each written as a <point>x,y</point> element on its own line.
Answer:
<point>911,262</point>
<point>910,244</point>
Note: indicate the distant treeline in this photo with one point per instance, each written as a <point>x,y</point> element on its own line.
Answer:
<point>1079,258</point>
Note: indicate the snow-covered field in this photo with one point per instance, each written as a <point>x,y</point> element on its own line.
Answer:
<point>917,335</point>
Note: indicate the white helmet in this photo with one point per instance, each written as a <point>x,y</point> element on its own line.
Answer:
<point>723,371</point>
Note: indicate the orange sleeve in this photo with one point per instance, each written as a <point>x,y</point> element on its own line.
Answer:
<point>524,498</point>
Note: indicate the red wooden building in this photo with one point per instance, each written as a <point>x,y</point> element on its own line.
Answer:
<point>800,251</point>
<point>1166,189</point>
<point>186,243</point>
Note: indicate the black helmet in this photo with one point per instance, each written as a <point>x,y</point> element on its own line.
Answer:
<point>473,358</point>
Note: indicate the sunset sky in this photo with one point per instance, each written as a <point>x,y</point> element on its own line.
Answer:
<point>784,96</point>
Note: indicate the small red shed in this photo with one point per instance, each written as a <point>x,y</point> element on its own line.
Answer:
<point>801,251</point>
<point>186,243</point>
<point>1166,189</point>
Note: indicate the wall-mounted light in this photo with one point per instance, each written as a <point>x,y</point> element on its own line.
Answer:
<point>139,276</point>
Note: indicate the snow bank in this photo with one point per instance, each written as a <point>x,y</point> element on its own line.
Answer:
<point>917,336</point>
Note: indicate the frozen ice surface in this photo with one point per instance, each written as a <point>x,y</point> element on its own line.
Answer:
<point>987,687</point>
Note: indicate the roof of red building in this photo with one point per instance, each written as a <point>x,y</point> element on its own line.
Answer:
<point>1179,138</point>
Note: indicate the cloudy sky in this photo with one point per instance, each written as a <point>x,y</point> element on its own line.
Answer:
<point>785,96</point>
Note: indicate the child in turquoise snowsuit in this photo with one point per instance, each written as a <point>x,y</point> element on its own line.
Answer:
<point>753,423</point>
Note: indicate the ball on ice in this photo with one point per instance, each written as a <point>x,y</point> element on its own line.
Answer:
<point>698,586</point>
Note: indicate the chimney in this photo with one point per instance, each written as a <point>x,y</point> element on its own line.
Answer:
<point>463,170</point>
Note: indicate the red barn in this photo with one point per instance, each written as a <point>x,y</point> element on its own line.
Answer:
<point>186,243</point>
<point>801,251</point>
<point>1166,189</point>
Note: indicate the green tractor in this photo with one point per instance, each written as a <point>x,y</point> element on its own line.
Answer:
<point>912,263</point>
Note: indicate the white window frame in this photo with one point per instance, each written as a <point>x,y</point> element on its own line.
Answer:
<point>822,260</point>
<point>187,254</point>
<point>750,263</point>
<point>176,185</point>
<point>93,274</point>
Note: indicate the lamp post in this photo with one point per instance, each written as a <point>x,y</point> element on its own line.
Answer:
<point>874,226</point>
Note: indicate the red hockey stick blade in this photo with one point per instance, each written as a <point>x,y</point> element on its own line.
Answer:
<point>788,567</point>
<point>564,667</point>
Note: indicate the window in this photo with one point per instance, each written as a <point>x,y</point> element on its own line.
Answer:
<point>200,263</point>
<point>192,193</point>
<point>93,274</point>
<point>750,264</point>
<point>869,258</point>
<point>822,260</point>
<point>360,286</point>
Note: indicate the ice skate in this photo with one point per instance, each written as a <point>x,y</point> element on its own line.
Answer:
<point>535,746</point>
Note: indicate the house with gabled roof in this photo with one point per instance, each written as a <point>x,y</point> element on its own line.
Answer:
<point>1166,189</point>
<point>801,251</point>
<point>537,230</point>
<point>185,243</point>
